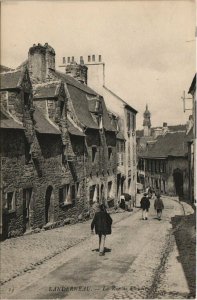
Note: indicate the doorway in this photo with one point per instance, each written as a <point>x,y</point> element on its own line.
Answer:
<point>178,182</point>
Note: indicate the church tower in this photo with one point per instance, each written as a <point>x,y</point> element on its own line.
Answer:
<point>147,122</point>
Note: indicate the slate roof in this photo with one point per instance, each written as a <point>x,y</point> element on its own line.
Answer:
<point>11,79</point>
<point>43,125</point>
<point>81,107</point>
<point>5,69</point>
<point>171,144</point>
<point>107,124</point>
<point>7,122</point>
<point>73,130</point>
<point>73,82</point>
<point>46,90</point>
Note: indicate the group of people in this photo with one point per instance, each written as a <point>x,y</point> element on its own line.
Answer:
<point>102,221</point>
<point>145,204</point>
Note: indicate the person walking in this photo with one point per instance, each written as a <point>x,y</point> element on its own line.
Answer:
<point>145,205</point>
<point>102,223</point>
<point>159,206</point>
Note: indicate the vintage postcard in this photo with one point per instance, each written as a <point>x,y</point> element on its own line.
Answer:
<point>98,149</point>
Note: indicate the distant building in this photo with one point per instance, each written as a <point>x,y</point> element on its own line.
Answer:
<point>163,157</point>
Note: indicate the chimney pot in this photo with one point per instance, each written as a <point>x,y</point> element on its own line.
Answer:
<point>81,60</point>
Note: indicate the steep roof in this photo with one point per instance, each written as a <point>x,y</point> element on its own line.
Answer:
<point>81,107</point>
<point>73,82</point>
<point>11,79</point>
<point>7,122</point>
<point>171,144</point>
<point>43,125</point>
<point>46,90</point>
<point>107,124</point>
<point>74,130</point>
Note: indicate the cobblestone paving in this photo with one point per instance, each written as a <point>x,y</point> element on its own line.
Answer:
<point>25,253</point>
<point>145,277</point>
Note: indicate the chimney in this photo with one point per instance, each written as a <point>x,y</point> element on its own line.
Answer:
<point>77,71</point>
<point>40,59</point>
<point>165,125</point>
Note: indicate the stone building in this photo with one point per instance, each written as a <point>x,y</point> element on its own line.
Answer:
<point>163,157</point>
<point>59,146</point>
<point>125,116</point>
<point>165,164</point>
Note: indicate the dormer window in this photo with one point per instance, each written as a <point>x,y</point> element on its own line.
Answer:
<point>97,106</point>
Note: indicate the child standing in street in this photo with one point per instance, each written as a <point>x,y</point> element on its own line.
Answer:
<point>159,206</point>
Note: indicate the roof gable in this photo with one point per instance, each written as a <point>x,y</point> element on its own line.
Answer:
<point>13,79</point>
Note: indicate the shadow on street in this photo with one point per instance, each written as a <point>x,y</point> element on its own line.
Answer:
<point>185,237</point>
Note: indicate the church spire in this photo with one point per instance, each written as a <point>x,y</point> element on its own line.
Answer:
<point>147,122</point>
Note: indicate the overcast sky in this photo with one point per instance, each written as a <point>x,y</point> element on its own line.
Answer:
<point>148,46</point>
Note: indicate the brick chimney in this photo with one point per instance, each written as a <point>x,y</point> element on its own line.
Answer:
<point>78,71</point>
<point>40,59</point>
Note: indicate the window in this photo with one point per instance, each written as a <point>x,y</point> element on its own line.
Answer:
<point>149,165</point>
<point>109,189</point>
<point>64,60</point>
<point>94,150</point>
<point>27,100</point>
<point>89,58</point>
<point>109,153</point>
<point>157,166</point>
<point>66,194</point>
<point>68,60</point>
<point>10,201</point>
<point>129,155</point>
<point>93,57</point>
<point>27,195</point>
<point>99,58</point>
<point>128,121</point>
<point>133,121</point>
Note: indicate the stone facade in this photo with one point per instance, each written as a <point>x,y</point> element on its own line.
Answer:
<point>59,147</point>
<point>126,115</point>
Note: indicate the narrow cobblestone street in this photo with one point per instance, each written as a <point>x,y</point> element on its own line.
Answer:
<point>143,259</point>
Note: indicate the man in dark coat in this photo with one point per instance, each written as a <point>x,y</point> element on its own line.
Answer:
<point>102,223</point>
<point>145,205</point>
